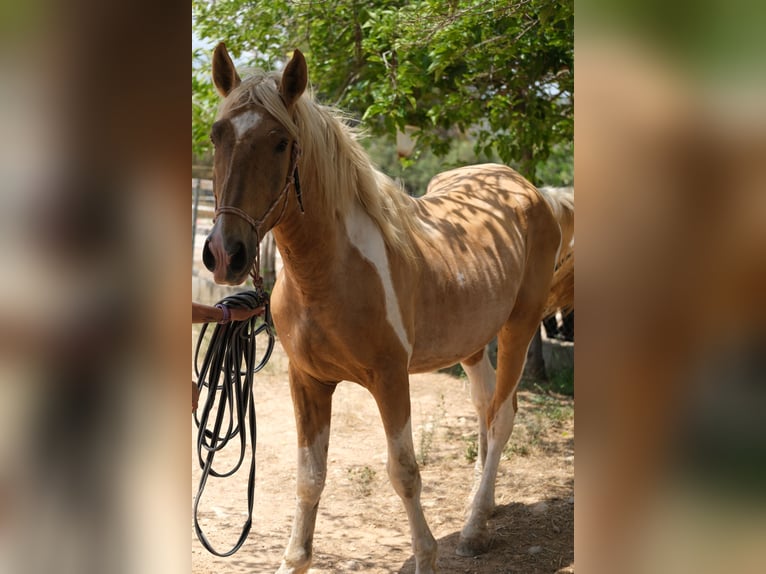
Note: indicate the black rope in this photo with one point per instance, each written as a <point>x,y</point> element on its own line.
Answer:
<point>227,371</point>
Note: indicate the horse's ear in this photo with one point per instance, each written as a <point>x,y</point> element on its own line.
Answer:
<point>225,75</point>
<point>294,79</point>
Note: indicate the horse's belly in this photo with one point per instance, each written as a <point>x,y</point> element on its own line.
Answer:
<point>466,297</point>
<point>456,333</point>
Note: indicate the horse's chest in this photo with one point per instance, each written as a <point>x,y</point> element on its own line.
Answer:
<point>327,350</point>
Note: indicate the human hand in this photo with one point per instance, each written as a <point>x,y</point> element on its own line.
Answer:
<point>244,314</point>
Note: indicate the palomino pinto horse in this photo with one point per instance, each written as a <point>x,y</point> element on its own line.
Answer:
<point>376,285</point>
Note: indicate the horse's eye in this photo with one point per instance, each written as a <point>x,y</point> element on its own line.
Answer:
<point>216,132</point>
<point>282,146</point>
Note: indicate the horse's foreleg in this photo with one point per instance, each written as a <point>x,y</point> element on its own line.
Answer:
<point>312,402</point>
<point>394,403</point>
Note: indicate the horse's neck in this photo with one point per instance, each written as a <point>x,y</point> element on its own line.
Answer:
<point>308,242</point>
<point>315,243</point>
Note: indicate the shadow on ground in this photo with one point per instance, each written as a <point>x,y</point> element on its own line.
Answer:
<point>525,539</point>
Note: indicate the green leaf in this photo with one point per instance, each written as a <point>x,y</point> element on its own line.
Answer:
<point>445,66</point>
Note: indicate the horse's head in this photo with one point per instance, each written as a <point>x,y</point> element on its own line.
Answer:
<point>255,155</point>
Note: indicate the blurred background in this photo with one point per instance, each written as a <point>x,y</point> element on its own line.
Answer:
<point>670,147</point>
<point>94,109</point>
<point>670,155</point>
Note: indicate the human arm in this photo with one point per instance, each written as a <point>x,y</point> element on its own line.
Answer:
<point>209,314</point>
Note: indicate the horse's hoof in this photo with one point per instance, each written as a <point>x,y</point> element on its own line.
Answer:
<point>427,565</point>
<point>285,569</point>
<point>472,546</point>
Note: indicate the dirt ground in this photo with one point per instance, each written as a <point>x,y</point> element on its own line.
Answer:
<point>362,526</point>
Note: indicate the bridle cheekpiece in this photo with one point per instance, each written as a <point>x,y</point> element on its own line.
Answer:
<point>292,180</point>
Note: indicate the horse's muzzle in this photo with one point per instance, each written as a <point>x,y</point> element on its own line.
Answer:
<point>228,263</point>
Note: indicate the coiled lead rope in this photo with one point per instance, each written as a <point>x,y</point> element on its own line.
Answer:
<point>227,372</point>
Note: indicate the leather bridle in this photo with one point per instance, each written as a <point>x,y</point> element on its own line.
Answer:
<point>255,224</point>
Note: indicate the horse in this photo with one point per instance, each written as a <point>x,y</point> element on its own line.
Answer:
<point>376,285</point>
<point>561,297</point>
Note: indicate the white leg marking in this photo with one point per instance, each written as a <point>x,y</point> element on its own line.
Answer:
<point>405,478</point>
<point>244,122</point>
<point>312,467</point>
<point>368,240</point>
<point>482,378</point>
<point>474,536</point>
<point>312,471</point>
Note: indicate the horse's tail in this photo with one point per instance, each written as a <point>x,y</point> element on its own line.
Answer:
<point>561,296</point>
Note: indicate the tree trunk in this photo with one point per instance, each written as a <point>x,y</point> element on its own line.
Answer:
<point>535,366</point>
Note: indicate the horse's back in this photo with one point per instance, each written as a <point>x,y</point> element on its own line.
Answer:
<point>480,181</point>
<point>482,223</point>
<point>488,200</point>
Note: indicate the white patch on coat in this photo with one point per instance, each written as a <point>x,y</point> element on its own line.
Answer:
<point>430,229</point>
<point>365,235</point>
<point>312,466</point>
<point>482,378</point>
<point>403,478</point>
<point>312,471</point>
<point>243,123</point>
<point>402,441</point>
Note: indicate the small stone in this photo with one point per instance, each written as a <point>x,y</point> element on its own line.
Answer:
<point>535,549</point>
<point>539,508</point>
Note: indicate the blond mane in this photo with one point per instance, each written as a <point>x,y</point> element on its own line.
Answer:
<point>333,160</point>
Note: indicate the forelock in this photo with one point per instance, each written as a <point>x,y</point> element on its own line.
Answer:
<point>261,89</point>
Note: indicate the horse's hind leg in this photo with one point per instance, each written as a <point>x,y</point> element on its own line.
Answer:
<point>312,401</point>
<point>513,341</point>
<point>481,376</point>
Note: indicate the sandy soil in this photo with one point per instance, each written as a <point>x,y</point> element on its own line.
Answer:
<point>362,526</point>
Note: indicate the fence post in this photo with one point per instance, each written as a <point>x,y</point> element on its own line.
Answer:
<point>197,186</point>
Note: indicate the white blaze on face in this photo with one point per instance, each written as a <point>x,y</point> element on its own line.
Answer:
<point>366,236</point>
<point>244,122</point>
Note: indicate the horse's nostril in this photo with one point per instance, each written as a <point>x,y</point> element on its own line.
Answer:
<point>207,256</point>
<point>238,260</point>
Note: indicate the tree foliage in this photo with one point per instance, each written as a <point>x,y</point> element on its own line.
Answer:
<point>498,70</point>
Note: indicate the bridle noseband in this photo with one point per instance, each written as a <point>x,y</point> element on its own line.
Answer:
<point>255,224</point>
